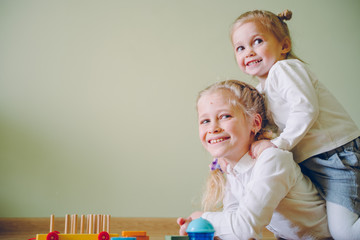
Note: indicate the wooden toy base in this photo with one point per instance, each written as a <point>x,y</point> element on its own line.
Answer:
<point>74,236</point>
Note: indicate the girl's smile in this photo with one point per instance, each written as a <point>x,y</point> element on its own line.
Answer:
<point>218,140</point>
<point>252,62</point>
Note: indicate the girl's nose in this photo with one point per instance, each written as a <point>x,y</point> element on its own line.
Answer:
<point>250,53</point>
<point>216,130</point>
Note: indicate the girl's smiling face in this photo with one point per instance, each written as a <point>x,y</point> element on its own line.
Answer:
<point>257,50</point>
<point>224,130</point>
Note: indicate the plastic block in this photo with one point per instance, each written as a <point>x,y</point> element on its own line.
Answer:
<point>169,237</point>
<point>133,233</point>
<point>142,238</point>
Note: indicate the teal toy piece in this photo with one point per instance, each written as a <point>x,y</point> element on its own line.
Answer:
<point>200,229</point>
<point>123,238</point>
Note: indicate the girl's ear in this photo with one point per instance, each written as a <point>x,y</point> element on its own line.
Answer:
<point>286,46</point>
<point>257,122</point>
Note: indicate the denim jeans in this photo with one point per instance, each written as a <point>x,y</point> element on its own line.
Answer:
<point>336,174</point>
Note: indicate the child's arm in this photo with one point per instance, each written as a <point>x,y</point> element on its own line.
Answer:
<point>292,83</point>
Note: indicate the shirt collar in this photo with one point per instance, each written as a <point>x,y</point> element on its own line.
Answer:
<point>243,165</point>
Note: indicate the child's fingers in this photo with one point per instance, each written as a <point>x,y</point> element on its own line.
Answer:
<point>184,226</point>
<point>182,231</point>
<point>252,151</point>
<point>183,222</point>
<point>180,221</point>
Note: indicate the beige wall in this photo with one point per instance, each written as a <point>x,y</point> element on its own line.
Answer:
<point>97,98</point>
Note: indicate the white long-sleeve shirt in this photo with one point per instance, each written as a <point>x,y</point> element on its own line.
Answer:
<point>269,191</point>
<point>310,119</point>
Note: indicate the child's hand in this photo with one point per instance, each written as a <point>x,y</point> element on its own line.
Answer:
<point>258,147</point>
<point>183,223</point>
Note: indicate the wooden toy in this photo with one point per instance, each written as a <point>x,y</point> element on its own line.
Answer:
<point>140,235</point>
<point>97,228</point>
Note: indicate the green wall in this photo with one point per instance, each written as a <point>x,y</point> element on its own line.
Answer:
<point>97,98</point>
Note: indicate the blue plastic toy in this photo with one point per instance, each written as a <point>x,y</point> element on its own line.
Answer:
<point>200,229</point>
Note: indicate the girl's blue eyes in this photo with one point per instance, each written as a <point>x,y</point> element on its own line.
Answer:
<point>221,117</point>
<point>239,49</point>
<point>256,42</point>
<point>204,121</point>
<point>225,116</point>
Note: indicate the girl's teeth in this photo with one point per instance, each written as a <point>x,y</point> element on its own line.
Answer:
<point>254,62</point>
<point>217,140</point>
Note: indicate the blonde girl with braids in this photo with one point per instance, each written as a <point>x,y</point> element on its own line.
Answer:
<point>251,195</point>
<point>311,122</point>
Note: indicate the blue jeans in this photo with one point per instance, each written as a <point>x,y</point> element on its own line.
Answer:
<point>336,175</point>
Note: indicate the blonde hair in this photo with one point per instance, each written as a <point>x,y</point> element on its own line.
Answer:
<point>251,102</point>
<point>271,22</point>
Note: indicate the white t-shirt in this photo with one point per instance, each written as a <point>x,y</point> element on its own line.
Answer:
<point>310,119</point>
<point>270,190</point>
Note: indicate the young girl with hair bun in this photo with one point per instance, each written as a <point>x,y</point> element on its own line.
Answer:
<point>311,122</point>
<point>269,192</point>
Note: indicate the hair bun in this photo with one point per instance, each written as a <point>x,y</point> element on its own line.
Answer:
<point>285,15</point>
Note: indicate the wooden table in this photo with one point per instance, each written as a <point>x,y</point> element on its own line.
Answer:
<point>156,228</point>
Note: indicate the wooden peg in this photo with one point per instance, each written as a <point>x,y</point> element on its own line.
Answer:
<point>82,222</point>
<point>72,224</point>
<point>67,221</point>
<point>52,222</point>
<point>97,223</point>
<point>103,222</point>
<point>108,223</point>
<point>75,223</point>
<point>90,224</point>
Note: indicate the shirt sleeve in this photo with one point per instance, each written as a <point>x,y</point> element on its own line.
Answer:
<point>272,177</point>
<point>293,85</point>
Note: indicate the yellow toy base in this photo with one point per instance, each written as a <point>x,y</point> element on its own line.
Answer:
<point>74,236</point>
